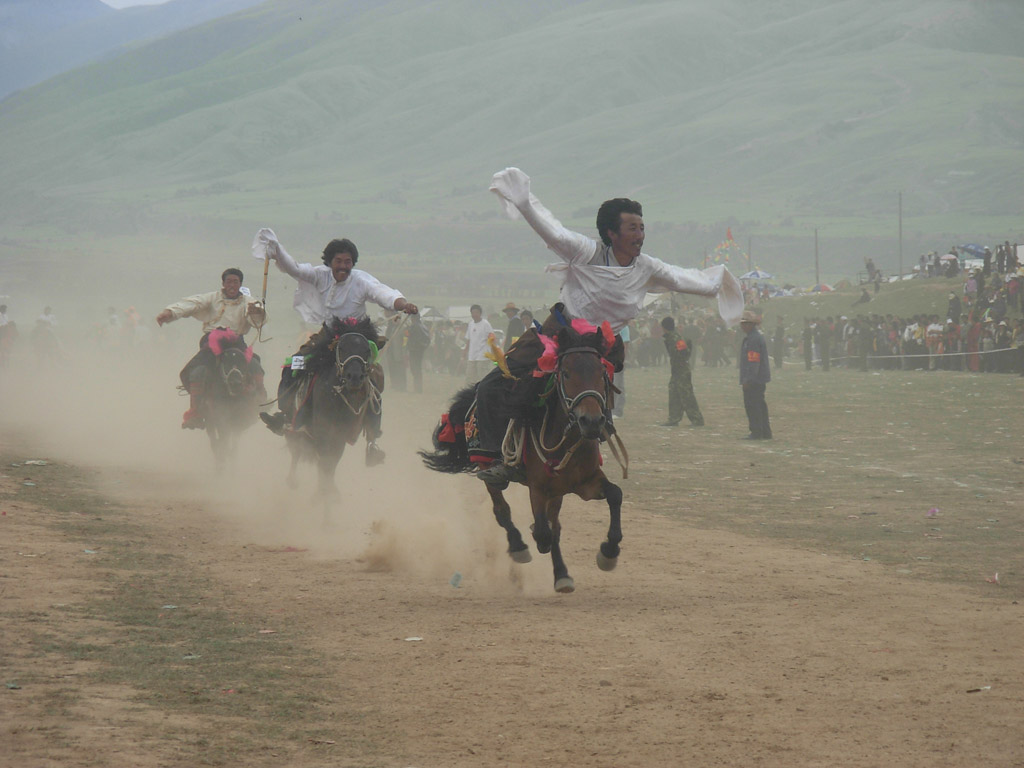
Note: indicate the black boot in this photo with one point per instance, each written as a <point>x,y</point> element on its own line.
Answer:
<point>275,422</point>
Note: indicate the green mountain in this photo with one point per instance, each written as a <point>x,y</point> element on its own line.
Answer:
<point>386,118</point>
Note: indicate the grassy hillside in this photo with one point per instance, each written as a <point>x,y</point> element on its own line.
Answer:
<point>388,117</point>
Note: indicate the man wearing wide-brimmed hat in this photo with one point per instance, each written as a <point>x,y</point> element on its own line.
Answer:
<point>755,373</point>
<point>515,324</point>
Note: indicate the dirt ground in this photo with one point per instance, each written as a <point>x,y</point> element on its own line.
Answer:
<point>705,647</point>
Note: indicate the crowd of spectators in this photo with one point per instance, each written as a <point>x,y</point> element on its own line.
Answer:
<point>982,329</point>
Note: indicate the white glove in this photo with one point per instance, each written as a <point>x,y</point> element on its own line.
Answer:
<point>265,245</point>
<point>513,187</point>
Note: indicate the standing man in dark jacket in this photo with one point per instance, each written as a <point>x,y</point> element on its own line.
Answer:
<point>515,324</point>
<point>755,373</point>
<point>681,399</point>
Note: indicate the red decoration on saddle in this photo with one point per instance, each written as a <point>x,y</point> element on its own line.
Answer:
<point>219,337</point>
<point>448,430</point>
<point>547,362</point>
<point>582,327</point>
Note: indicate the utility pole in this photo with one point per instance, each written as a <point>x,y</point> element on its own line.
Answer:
<point>750,256</point>
<point>817,273</point>
<point>705,257</point>
<point>901,234</point>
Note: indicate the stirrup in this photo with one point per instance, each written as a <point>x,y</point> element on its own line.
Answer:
<point>374,454</point>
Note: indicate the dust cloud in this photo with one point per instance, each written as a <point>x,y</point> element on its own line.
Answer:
<point>112,406</point>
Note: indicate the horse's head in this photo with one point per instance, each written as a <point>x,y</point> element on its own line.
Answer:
<point>233,366</point>
<point>583,376</point>
<point>352,357</point>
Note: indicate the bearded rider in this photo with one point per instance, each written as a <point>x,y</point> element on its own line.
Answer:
<point>603,280</point>
<point>231,309</point>
<point>335,289</point>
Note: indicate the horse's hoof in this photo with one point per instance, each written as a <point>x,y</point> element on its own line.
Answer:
<point>565,585</point>
<point>606,563</point>
<point>521,555</point>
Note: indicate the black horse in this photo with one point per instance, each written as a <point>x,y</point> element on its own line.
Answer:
<point>559,420</point>
<point>343,391</point>
<point>230,403</point>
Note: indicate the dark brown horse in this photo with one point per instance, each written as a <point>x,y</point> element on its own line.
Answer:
<point>230,404</point>
<point>560,418</point>
<point>341,394</point>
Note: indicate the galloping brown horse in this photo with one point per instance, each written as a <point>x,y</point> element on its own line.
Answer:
<point>560,418</point>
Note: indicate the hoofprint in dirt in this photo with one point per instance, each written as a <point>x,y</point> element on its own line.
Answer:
<point>704,646</point>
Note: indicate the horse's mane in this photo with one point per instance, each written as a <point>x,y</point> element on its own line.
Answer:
<point>321,357</point>
<point>526,392</point>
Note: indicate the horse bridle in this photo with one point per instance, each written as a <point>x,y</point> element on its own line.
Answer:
<point>372,396</point>
<point>226,376</point>
<point>544,452</point>
<point>570,403</point>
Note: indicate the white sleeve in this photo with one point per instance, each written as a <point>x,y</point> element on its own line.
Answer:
<point>382,295</point>
<point>512,186</point>
<point>284,261</point>
<point>713,281</point>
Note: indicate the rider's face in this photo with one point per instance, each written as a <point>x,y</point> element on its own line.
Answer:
<point>627,242</point>
<point>341,266</point>
<point>232,285</point>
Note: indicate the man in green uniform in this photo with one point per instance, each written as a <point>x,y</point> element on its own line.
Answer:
<point>681,399</point>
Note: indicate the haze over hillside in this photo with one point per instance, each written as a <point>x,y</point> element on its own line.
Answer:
<point>386,119</point>
<point>42,38</point>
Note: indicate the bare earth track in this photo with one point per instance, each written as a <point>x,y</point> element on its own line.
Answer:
<point>150,618</point>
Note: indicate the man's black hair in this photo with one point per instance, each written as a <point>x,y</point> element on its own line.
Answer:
<point>344,245</point>
<point>477,306</point>
<point>609,215</point>
<point>668,323</point>
<point>232,271</point>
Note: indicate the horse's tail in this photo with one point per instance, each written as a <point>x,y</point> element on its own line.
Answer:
<point>451,452</point>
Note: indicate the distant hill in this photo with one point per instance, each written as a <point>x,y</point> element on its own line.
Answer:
<point>387,117</point>
<point>43,38</point>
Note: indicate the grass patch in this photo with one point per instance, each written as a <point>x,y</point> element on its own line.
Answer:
<point>858,462</point>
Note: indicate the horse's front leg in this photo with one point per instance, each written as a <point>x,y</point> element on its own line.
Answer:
<point>293,478</point>
<point>540,528</point>
<point>563,581</point>
<point>608,554</point>
<point>518,550</point>
<point>327,464</point>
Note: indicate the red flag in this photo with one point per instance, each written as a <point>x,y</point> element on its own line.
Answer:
<point>728,233</point>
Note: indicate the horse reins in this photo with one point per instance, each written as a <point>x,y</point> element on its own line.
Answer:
<point>512,446</point>
<point>373,395</point>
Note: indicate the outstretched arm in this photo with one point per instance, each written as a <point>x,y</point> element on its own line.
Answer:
<point>267,241</point>
<point>714,281</point>
<point>189,307</point>
<point>513,187</point>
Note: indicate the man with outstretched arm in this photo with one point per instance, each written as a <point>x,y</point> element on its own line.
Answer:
<point>602,280</point>
<point>332,289</point>
<point>231,309</point>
